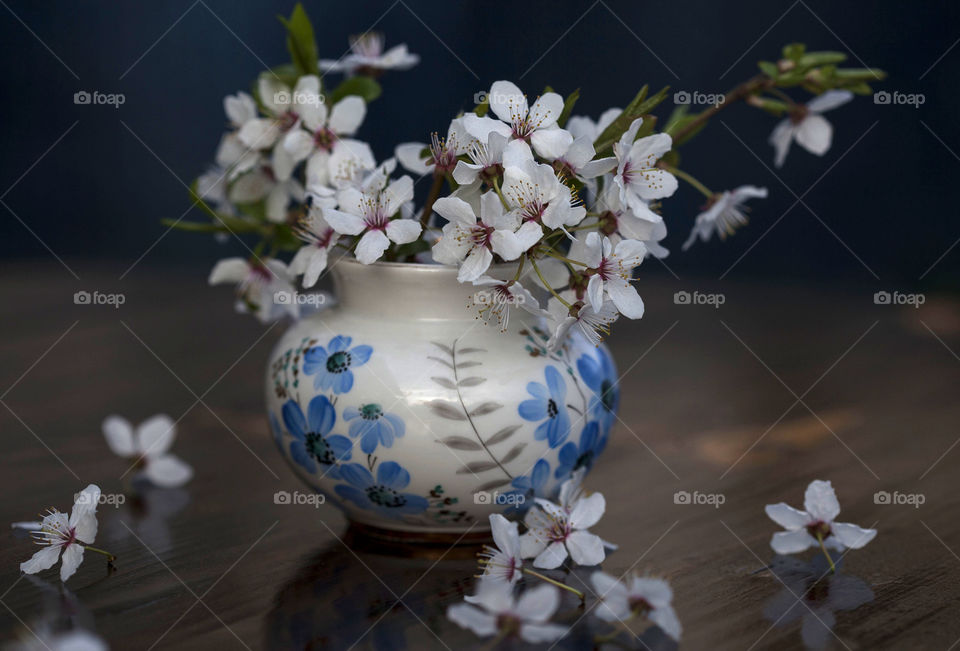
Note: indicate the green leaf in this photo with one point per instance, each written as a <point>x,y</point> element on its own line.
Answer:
<point>769,69</point>
<point>286,73</point>
<point>483,107</point>
<point>639,107</point>
<point>366,87</point>
<point>815,59</point>
<point>301,42</point>
<point>793,51</point>
<point>568,105</point>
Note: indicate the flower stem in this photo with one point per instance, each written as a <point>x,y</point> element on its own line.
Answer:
<point>431,198</point>
<point>503,199</point>
<point>547,285</point>
<point>833,568</point>
<point>689,179</point>
<point>553,254</point>
<point>110,557</point>
<point>744,90</point>
<point>554,582</point>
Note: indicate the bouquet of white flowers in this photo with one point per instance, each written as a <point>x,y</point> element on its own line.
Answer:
<point>574,203</point>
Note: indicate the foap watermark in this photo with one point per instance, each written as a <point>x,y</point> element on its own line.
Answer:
<point>899,99</point>
<point>296,298</point>
<point>298,97</point>
<point>899,298</point>
<point>494,297</point>
<point>496,498</point>
<point>82,97</point>
<point>716,500</point>
<point>698,98</point>
<point>684,297</point>
<point>896,498</point>
<point>296,498</point>
<point>483,96</point>
<point>83,297</point>
<point>105,499</point>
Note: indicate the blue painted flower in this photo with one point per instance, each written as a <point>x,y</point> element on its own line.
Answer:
<point>529,486</point>
<point>373,425</point>
<point>313,442</point>
<point>549,405</point>
<point>332,364</point>
<point>573,457</point>
<point>381,494</point>
<point>601,377</point>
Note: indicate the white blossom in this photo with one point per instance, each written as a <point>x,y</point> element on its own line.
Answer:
<point>724,214</point>
<point>148,446</point>
<point>641,596</point>
<point>807,126</point>
<point>637,176</point>
<point>495,610</point>
<point>817,520</point>
<point>367,54</point>
<point>57,534</point>
<point>259,286</point>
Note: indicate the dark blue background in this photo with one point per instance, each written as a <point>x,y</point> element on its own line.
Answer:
<point>98,194</point>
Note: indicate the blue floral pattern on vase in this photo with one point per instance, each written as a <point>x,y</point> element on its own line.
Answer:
<point>601,377</point>
<point>374,426</point>
<point>381,494</point>
<point>548,405</point>
<point>529,487</point>
<point>313,444</point>
<point>332,365</point>
<point>574,456</point>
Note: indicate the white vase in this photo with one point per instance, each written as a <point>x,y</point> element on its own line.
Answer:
<point>403,408</point>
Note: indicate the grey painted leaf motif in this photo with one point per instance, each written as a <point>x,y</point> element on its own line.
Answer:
<point>514,453</point>
<point>443,347</point>
<point>464,351</point>
<point>469,364</point>
<point>444,382</point>
<point>472,381</point>
<point>503,434</point>
<point>448,410</point>
<point>477,466</point>
<point>485,408</point>
<point>461,443</point>
<point>442,361</point>
<point>490,485</point>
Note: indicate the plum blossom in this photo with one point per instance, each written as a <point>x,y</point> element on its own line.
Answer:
<point>319,237</point>
<point>578,159</point>
<point>486,160</point>
<point>534,192</point>
<point>724,214</point>
<point>642,596</point>
<point>807,126</point>
<point>322,129</point>
<point>471,240</point>
<point>637,176</point>
<point>553,533</point>
<point>148,446</point>
<point>258,285</point>
<point>443,152</point>
<point>43,638</point>
<point>502,562</point>
<point>371,213</point>
<point>580,125</point>
<point>57,534</point>
<point>283,109</point>
<point>611,270</point>
<point>367,56</point>
<point>500,296</point>
<point>593,323</point>
<point>618,222</point>
<point>535,124</point>
<point>805,529</point>
<point>495,610</point>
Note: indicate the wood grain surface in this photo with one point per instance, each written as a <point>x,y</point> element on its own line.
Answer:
<point>751,401</point>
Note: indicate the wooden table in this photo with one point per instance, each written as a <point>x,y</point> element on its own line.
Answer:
<point>752,400</point>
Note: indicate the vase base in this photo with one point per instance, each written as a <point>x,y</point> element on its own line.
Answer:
<point>419,544</point>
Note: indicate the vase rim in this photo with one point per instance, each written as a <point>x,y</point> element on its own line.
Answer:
<point>434,267</point>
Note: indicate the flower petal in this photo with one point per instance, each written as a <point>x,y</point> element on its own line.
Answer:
<point>473,619</point>
<point>787,517</point>
<point>347,115</point>
<point>168,471</point>
<point>538,604</point>
<point>72,557</point>
<point>815,134</point>
<point>792,542</point>
<point>404,231</point>
<point>507,101</point>
<point>551,143</point>
<point>820,501</point>
<point>371,246</point>
<point>119,434</point>
<point>553,556</point>
<point>852,536</point>
<point>43,559</point>
<point>588,511</point>
<point>585,548</point>
<point>155,435</point>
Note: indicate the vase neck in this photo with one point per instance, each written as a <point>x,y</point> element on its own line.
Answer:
<point>406,291</point>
